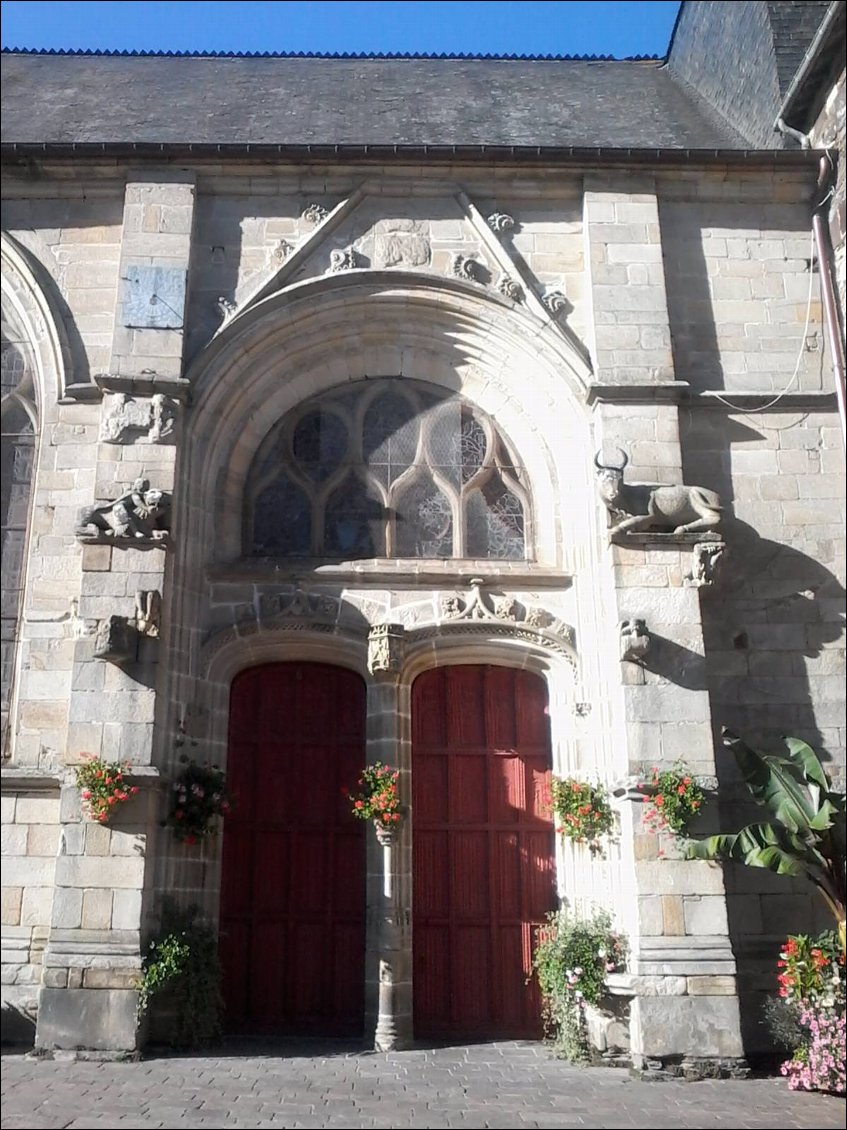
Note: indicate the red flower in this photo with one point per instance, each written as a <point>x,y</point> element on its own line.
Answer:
<point>134,790</point>
<point>189,839</point>
<point>660,800</point>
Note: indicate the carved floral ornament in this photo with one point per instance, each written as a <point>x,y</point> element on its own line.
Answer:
<point>453,614</point>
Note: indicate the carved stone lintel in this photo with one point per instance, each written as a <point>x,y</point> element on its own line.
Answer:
<point>465,268</point>
<point>501,222</point>
<point>706,560</point>
<point>635,640</point>
<point>136,518</point>
<point>342,259</point>
<point>314,214</point>
<point>510,289</point>
<point>116,639</point>
<point>126,418</point>
<point>385,649</point>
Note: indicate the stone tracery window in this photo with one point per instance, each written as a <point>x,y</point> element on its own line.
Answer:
<point>386,468</point>
<point>17,456</point>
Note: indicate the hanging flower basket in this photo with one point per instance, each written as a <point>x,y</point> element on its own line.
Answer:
<point>378,800</point>
<point>199,795</point>
<point>102,787</point>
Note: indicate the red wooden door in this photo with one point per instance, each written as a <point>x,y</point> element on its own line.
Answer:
<point>483,865</point>
<point>292,887</point>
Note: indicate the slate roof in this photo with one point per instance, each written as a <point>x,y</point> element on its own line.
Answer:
<point>289,101</point>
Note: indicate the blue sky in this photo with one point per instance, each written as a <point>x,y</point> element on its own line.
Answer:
<point>573,28</point>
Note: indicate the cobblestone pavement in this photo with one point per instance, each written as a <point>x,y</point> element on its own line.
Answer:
<point>514,1085</point>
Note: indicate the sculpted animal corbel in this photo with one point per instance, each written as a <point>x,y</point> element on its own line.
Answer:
<point>139,513</point>
<point>644,506</point>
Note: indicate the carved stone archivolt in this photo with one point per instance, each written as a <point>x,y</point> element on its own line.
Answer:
<point>386,647</point>
<point>706,559</point>
<point>137,517</point>
<point>130,419</point>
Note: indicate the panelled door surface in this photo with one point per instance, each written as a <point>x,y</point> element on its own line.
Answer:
<point>292,888</point>
<point>483,850</point>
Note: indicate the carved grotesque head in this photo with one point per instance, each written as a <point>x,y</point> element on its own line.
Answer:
<point>609,477</point>
<point>154,500</point>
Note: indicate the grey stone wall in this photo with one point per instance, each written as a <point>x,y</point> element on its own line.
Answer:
<point>740,58</point>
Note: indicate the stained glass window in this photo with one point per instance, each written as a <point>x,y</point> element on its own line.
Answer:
<point>386,468</point>
<point>17,458</point>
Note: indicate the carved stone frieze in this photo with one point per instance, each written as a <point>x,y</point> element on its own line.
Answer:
<point>507,286</point>
<point>300,605</point>
<point>706,559</point>
<point>635,640</point>
<point>385,649</point>
<point>130,419</point>
<point>138,516</point>
<point>314,214</point>
<point>501,222</point>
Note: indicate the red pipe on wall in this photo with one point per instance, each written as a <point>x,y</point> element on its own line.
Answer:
<point>830,307</point>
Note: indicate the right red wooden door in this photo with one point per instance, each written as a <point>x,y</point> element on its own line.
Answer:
<point>483,850</point>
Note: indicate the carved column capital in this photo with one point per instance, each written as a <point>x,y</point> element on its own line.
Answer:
<point>386,647</point>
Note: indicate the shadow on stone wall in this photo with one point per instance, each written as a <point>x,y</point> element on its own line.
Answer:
<point>772,626</point>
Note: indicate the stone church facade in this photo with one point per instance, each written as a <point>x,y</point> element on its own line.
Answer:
<point>304,405</point>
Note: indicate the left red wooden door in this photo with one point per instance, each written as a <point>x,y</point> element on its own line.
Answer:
<point>292,884</point>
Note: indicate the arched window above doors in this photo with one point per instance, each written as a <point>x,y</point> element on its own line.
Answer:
<point>386,468</point>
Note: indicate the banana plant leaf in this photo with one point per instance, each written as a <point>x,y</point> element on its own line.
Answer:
<point>780,785</point>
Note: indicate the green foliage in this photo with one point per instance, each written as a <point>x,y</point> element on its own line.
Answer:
<point>182,962</point>
<point>805,834</point>
<point>102,787</point>
<point>198,796</point>
<point>379,795</point>
<point>583,812</point>
<point>572,958</point>
<point>675,799</point>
